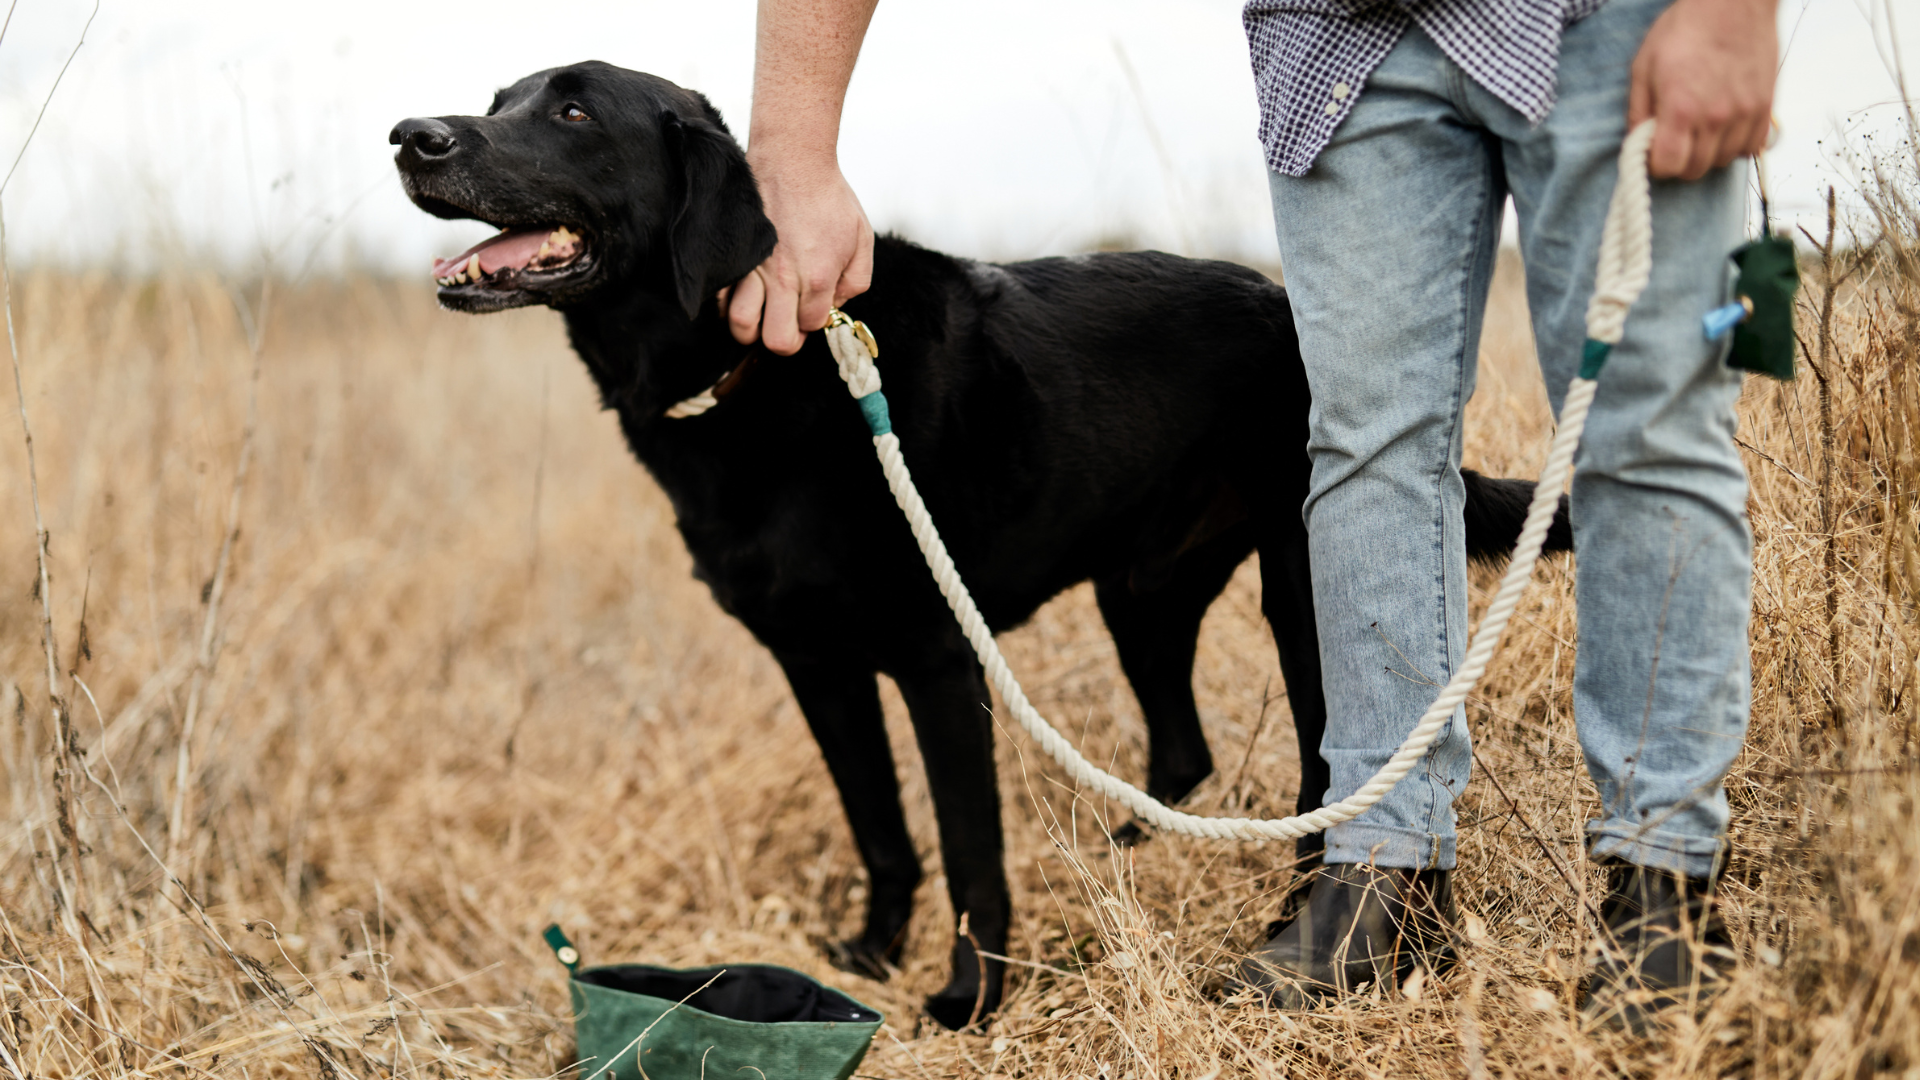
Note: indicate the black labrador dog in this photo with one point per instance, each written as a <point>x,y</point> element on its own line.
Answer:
<point>1135,419</point>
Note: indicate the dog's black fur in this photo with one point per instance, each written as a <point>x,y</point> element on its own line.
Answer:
<point>1137,419</point>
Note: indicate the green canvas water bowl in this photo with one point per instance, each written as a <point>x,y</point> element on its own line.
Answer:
<point>639,1022</point>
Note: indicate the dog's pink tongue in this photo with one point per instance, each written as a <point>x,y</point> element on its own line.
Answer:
<point>516,248</point>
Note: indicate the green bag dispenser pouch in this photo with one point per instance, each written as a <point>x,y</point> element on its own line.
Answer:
<point>735,1020</point>
<point>1762,322</point>
<point>1769,276</point>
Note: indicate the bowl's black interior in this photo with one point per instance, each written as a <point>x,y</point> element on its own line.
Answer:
<point>761,995</point>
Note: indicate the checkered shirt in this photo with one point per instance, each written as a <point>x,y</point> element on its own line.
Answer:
<point>1311,58</point>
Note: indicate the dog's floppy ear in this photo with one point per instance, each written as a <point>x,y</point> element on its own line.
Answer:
<point>719,229</point>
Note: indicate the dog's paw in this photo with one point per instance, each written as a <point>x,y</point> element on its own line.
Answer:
<point>954,1007</point>
<point>860,958</point>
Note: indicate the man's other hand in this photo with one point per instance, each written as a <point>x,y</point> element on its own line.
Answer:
<point>824,256</point>
<point>1705,72</point>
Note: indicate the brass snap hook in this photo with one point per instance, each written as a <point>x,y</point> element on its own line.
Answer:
<point>836,317</point>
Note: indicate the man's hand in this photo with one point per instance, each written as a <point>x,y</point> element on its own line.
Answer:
<point>824,256</point>
<point>1706,72</point>
<point>803,58</point>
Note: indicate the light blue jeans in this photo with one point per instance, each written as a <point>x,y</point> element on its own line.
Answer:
<point>1388,247</point>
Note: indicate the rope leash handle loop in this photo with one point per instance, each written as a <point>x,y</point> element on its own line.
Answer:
<point>1626,241</point>
<point>1624,266</point>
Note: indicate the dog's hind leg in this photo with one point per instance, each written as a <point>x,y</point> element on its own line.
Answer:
<point>1286,595</point>
<point>947,697</point>
<point>1155,632</point>
<point>842,705</point>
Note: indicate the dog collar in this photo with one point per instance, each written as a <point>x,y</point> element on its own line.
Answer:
<point>712,395</point>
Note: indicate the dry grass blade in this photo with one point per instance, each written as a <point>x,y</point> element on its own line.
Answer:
<point>206,650</point>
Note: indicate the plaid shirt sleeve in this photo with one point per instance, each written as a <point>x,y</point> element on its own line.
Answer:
<point>1312,58</point>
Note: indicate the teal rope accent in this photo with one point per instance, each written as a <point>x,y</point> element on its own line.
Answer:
<point>874,408</point>
<point>1593,357</point>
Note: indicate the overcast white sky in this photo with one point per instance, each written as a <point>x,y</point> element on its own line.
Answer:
<point>994,128</point>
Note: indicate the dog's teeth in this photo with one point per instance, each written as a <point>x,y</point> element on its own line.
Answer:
<point>545,250</point>
<point>563,235</point>
<point>473,268</point>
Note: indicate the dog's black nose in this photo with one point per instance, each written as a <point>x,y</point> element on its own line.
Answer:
<point>424,136</point>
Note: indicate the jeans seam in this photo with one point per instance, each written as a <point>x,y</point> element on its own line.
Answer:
<point>1456,407</point>
<point>1454,80</point>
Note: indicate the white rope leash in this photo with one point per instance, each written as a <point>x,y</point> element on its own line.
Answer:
<point>1624,266</point>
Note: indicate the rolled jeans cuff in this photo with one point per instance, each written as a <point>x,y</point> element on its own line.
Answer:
<point>1657,849</point>
<point>1362,841</point>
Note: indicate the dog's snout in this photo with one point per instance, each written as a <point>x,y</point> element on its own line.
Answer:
<point>423,136</point>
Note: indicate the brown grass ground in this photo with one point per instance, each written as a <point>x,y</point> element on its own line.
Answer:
<point>464,686</point>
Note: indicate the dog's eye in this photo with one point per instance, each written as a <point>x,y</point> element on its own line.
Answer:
<point>574,113</point>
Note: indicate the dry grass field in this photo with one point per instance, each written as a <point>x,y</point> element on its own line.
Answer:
<point>303,809</point>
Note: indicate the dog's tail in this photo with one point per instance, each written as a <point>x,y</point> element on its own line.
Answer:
<point>1496,509</point>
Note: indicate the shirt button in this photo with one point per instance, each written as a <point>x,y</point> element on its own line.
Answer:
<point>1340,91</point>
<point>1333,108</point>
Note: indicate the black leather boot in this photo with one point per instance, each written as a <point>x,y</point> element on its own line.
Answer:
<point>1359,925</point>
<point>1665,944</point>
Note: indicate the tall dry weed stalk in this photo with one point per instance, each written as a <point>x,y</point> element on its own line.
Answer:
<point>346,870</point>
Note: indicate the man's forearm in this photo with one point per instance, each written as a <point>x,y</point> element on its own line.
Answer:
<point>804,52</point>
<point>803,59</point>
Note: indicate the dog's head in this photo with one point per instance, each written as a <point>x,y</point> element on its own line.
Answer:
<point>597,177</point>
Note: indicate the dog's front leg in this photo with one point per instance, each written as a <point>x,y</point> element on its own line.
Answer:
<point>948,700</point>
<point>842,706</point>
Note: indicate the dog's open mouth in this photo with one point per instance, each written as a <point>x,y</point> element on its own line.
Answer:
<point>515,260</point>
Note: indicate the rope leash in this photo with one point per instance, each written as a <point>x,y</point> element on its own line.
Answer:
<point>1625,263</point>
